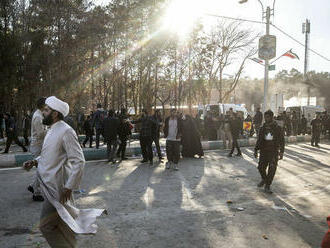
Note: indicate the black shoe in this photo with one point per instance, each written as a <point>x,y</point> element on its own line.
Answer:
<point>5,152</point>
<point>317,145</point>
<point>38,198</point>
<point>262,183</point>
<point>114,161</point>
<point>84,146</point>
<point>31,189</point>
<point>143,161</point>
<point>160,158</point>
<point>239,155</point>
<point>267,190</point>
<point>229,155</point>
<point>124,158</point>
<point>90,146</point>
<point>25,150</point>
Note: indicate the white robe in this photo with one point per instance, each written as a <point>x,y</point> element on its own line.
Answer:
<point>60,165</point>
<point>38,132</point>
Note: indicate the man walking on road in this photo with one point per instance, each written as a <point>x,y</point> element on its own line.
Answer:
<point>316,125</point>
<point>60,169</point>
<point>257,120</point>
<point>158,120</point>
<point>148,127</point>
<point>124,133</point>
<point>271,145</point>
<point>88,130</point>
<point>236,127</point>
<point>98,118</point>
<point>11,131</point>
<point>110,130</point>
<point>172,133</point>
<point>38,132</point>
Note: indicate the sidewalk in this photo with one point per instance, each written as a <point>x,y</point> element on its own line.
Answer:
<point>18,158</point>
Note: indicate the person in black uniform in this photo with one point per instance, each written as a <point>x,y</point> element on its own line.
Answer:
<point>158,120</point>
<point>236,127</point>
<point>270,143</point>
<point>303,123</point>
<point>11,131</point>
<point>316,125</point>
<point>148,127</point>
<point>124,132</point>
<point>87,126</point>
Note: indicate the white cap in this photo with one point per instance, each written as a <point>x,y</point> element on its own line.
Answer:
<point>58,105</point>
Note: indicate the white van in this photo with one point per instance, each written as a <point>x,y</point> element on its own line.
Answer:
<point>223,108</point>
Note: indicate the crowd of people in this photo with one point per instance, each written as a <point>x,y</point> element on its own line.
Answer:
<point>58,155</point>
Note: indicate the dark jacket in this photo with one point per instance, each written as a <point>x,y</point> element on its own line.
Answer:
<point>316,125</point>
<point>148,126</point>
<point>158,121</point>
<point>257,118</point>
<point>88,128</point>
<point>10,126</point>
<point>124,130</point>
<point>278,137</point>
<point>98,118</point>
<point>110,128</point>
<point>236,126</point>
<point>179,127</point>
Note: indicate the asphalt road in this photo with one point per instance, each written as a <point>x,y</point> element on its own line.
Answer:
<point>154,207</point>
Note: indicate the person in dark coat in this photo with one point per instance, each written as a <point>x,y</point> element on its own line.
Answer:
<point>110,131</point>
<point>210,126</point>
<point>316,125</point>
<point>148,127</point>
<point>191,138</point>
<point>270,143</point>
<point>303,125</point>
<point>295,122</point>
<point>124,132</point>
<point>257,120</point>
<point>88,130</point>
<point>98,118</point>
<point>158,120</point>
<point>26,128</point>
<point>235,129</point>
<point>11,132</point>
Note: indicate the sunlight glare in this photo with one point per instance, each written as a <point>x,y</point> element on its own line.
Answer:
<point>181,15</point>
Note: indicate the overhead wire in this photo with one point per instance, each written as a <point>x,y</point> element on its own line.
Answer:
<point>273,25</point>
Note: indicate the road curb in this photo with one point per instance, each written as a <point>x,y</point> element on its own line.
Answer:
<point>14,160</point>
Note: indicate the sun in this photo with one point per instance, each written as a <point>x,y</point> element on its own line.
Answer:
<point>181,15</point>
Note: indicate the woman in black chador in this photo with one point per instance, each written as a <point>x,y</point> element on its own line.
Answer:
<point>191,139</point>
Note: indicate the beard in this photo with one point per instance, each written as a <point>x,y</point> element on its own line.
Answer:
<point>48,120</point>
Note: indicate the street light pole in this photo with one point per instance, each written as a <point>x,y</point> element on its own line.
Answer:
<point>265,105</point>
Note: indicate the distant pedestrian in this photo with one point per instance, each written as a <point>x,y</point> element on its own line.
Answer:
<point>210,127</point>
<point>88,130</point>
<point>295,122</point>
<point>97,121</point>
<point>148,127</point>
<point>303,125</point>
<point>270,143</point>
<point>159,122</point>
<point>316,125</point>
<point>110,131</point>
<point>257,120</point>
<point>124,132</point>
<point>38,133</point>
<point>2,126</point>
<point>11,132</point>
<point>26,126</point>
<point>190,138</point>
<point>236,129</point>
<point>172,133</point>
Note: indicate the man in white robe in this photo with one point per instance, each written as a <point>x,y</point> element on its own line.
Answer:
<point>60,169</point>
<point>38,132</point>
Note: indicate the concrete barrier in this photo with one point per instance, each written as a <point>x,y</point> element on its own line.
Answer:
<point>14,160</point>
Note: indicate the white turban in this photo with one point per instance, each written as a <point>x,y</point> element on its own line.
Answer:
<point>58,105</point>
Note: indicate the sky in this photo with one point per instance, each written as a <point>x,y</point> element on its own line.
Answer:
<point>289,16</point>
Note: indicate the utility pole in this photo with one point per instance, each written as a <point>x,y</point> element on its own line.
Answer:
<point>306,29</point>
<point>265,105</point>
